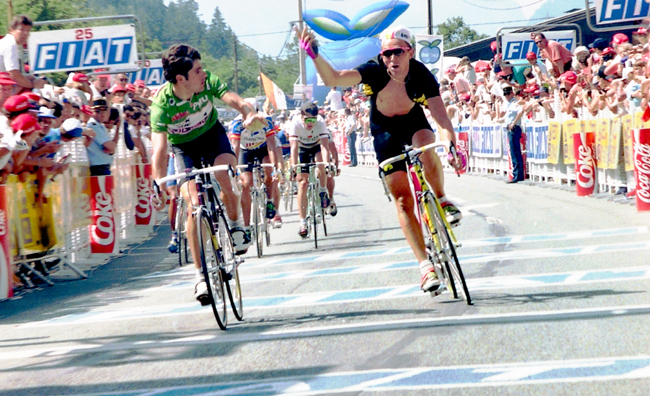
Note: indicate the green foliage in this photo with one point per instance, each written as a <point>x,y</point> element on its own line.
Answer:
<point>457,33</point>
<point>175,23</point>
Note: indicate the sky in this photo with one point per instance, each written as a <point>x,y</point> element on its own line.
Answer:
<point>264,24</point>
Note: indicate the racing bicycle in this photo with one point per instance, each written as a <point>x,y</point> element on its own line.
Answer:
<point>219,262</point>
<point>439,237</point>
<point>315,212</point>
<point>261,224</point>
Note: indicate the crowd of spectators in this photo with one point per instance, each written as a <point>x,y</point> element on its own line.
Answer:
<point>610,74</point>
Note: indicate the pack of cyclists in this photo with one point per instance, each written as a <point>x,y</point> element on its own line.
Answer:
<point>185,123</point>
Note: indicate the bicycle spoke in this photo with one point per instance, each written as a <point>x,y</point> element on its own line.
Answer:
<point>210,263</point>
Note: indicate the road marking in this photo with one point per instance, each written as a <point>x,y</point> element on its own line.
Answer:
<point>510,255</point>
<point>422,378</point>
<point>360,295</point>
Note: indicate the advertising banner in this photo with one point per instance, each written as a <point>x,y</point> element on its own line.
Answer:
<point>642,168</point>
<point>537,143</point>
<point>517,45</point>
<point>583,146</point>
<point>151,74</point>
<point>554,139</point>
<point>429,50</point>
<point>486,140</point>
<point>568,129</point>
<point>6,274</point>
<point>103,230</point>
<point>145,214</point>
<point>614,153</point>
<point>462,147</point>
<point>614,11</point>
<point>628,148</point>
<point>602,143</point>
<point>341,142</point>
<point>67,50</point>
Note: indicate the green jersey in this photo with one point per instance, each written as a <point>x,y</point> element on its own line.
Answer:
<point>182,120</point>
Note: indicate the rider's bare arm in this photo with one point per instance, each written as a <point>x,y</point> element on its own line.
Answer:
<point>159,155</point>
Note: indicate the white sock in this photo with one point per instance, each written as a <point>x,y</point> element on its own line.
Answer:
<point>198,275</point>
<point>236,223</point>
<point>426,266</point>
<point>322,190</point>
<point>442,199</point>
<point>303,222</point>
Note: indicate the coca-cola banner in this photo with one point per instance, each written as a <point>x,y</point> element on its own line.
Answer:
<point>462,146</point>
<point>144,213</point>
<point>642,168</point>
<point>103,230</point>
<point>6,276</point>
<point>584,149</point>
<point>341,143</point>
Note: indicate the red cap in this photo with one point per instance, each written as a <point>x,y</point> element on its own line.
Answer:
<point>7,81</point>
<point>32,96</point>
<point>86,110</point>
<point>641,31</point>
<point>140,83</point>
<point>532,89</point>
<point>130,87</point>
<point>464,97</point>
<point>531,55</point>
<point>118,88</point>
<point>569,77</point>
<point>608,51</point>
<point>493,46</point>
<point>26,67</point>
<point>26,123</point>
<point>17,103</point>
<point>620,38</point>
<point>80,77</point>
<point>482,66</point>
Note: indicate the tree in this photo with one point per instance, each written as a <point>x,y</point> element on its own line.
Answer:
<point>457,33</point>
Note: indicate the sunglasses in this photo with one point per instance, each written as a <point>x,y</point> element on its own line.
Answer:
<point>310,119</point>
<point>394,51</point>
<point>538,42</point>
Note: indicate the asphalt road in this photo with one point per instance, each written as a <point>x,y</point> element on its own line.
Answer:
<point>559,283</point>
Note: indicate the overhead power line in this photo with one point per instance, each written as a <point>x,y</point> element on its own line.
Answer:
<point>503,9</point>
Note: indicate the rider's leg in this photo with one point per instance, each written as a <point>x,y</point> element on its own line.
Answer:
<point>303,183</point>
<point>172,191</point>
<point>247,183</point>
<point>399,187</point>
<point>230,199</point>
<point>188,191</point>
<point>431,162</point>
<point>322,175</point>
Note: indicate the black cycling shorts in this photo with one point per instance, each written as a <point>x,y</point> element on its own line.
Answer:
<point>307,155</point>
<point>247,157</point>
<point>391,134</point>
<point>202,150</point>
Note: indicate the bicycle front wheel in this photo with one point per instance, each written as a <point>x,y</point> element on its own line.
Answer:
<point>256,223</point>
<point>432,241</point>
<point>230,269</point>
<point>179,223</point>
<point>312,213</point>
<point>210,263</point>
<point>449,256</point>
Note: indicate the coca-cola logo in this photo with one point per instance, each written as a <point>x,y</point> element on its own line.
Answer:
<point>143,209</point>
<point>103,231</point>
<point>585,167</point>
<point>3,223</point>
<point>642,166</point>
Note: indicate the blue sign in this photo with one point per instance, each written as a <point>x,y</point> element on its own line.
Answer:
<point>519,49</point>
<point>486,140</point>
<point>613,11</point>
<point>87,54</point>
<point>536,142</point>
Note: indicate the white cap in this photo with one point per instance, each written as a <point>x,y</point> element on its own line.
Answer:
<point>580,49</point>
<point>253,102</point>
<point>397,32</point>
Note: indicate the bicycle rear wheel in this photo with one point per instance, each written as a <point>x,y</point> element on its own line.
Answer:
<point>322,216</point>
<point>179,226</point>
<point>450,257</point>
<point>230,269</point>
<point>210,263</point>
<point>256,223</point>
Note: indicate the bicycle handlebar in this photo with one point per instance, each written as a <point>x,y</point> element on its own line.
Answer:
<point>155,197</point>
<point>311,164</point>
<point>412,153</point>
<point>245,166</point>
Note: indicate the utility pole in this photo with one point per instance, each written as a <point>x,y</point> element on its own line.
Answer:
<point>303,77</point>
<point>10,13</point>
<point>234,45</point>
<point>430,17</point>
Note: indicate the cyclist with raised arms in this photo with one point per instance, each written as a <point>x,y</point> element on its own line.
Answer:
<point>250,146</point>
<point>398,87</point>
<point>309,143</point>
<point>183,114</point>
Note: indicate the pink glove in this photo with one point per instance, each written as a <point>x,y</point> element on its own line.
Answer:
<point>311,50</point>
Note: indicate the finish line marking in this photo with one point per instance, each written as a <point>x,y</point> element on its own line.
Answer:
<point>360,295</point>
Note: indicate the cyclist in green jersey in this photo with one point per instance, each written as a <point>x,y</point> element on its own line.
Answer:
<point>183,115</point>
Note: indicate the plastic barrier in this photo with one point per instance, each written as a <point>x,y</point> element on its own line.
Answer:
<point>83,220</point>
<point>583,151</point>
<point>642,168</point>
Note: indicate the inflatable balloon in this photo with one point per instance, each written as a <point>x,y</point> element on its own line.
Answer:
<point>368,22</point>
